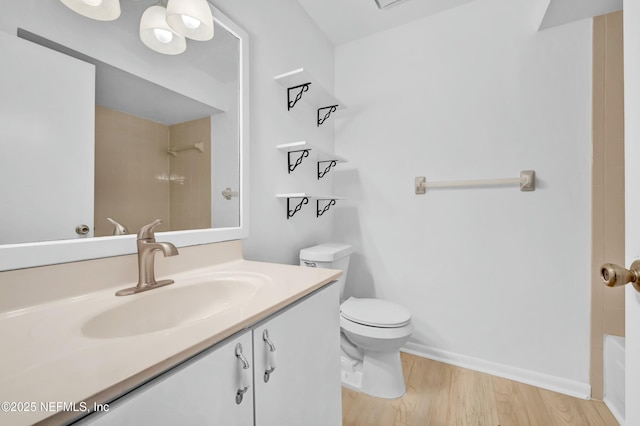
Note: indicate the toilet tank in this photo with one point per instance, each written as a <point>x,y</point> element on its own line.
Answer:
<point>330,256</point>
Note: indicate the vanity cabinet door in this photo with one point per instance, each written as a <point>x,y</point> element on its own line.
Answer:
<point>304,388</point>
<point>202,391</point>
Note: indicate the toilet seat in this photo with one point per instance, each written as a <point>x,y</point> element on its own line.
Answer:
<point>375,313</point>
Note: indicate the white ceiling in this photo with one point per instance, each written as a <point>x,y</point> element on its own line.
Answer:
<point>564,11</point>
<point>347,20</point>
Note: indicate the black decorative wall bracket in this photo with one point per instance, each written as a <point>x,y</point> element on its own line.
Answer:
<point>296,209</point>
<point>331,109</point>
<point>300,90</point>
<point>327,206</point>
<point>292,166</point>
<point>332,163</point>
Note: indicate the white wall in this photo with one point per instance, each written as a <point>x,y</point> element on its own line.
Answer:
<point>496,279</point>
<point>282,38</point>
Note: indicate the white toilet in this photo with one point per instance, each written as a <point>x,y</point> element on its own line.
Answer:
<point>372,330</point>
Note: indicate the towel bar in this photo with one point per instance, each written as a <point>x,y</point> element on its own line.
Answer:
<point>527,182</point>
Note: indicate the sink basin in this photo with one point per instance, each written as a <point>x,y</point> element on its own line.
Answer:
<point>172,306</point>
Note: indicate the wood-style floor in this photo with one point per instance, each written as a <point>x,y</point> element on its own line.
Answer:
<point>441,394</point>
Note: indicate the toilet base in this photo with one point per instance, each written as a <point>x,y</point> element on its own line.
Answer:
<point>378,374</point>
<point>351,373</point>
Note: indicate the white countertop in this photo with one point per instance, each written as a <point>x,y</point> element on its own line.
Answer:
<point>46,358</point>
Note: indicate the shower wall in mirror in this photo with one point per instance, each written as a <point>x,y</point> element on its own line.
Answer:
<point>144,168</point>
<point>96,128</point>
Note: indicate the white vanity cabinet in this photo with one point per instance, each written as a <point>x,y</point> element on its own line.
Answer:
<point>202,391</point>
<point>303,389</point>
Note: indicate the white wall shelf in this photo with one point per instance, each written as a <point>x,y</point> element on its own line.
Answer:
<point>301,85</point>
<point>304,148</point>
<point>304,199</point>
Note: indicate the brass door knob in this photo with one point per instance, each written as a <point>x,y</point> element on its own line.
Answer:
<point>616,276</point>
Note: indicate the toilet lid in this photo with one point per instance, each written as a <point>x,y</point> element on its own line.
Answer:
<point>375,312</point>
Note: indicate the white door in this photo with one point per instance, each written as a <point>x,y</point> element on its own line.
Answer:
<point>632,200</point>
<point>47,147</point>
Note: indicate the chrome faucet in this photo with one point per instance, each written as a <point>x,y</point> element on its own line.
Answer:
<point>147,247</point>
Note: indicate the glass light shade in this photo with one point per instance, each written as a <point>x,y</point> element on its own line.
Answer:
<point>104,10</point>
<point>156,34</point>
<point>183,16</point>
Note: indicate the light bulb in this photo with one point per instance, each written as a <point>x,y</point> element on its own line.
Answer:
<point>189,21</point>
<point>163,36</point>
<point>93,2</point>
<point>190,18</point>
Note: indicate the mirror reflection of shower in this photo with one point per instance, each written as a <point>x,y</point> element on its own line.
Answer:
<point>171,168</point>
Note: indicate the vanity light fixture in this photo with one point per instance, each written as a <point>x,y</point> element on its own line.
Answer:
<point>101,10</point>
<point>162,29</point>
<point>191,18</point>
<point>156,33</point>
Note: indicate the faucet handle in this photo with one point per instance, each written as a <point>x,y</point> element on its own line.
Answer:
<point>146,232</point>
<point>119,229</point>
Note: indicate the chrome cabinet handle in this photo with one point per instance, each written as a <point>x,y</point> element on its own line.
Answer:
<point>245,374</point>
<point>616,276</point>
<point>271,356</point>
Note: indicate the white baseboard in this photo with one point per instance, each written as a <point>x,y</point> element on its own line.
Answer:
<point>614,376</point>
<point>534,378</point>
<point>615,410</point>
